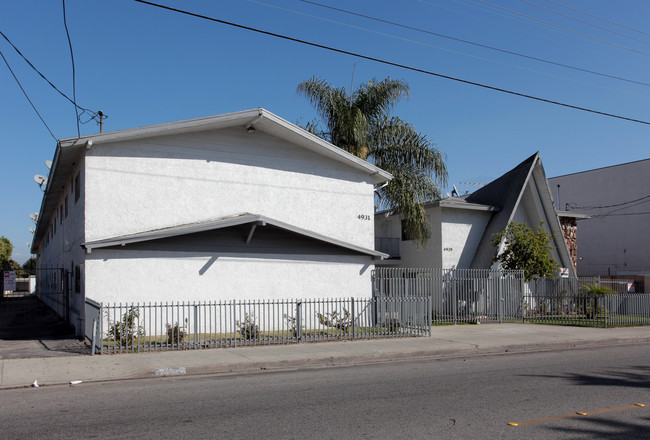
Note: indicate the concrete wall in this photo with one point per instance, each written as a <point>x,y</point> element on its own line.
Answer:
<point>137,276</point>
<point>143,185</point>
<point>617,239</point>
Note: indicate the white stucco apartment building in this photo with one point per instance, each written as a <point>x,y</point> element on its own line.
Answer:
<point>237,206</point>
<point>462,227</point>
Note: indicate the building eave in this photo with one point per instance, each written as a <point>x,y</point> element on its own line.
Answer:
<point>225,222</point>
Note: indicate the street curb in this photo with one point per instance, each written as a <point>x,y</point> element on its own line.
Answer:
<point>252,367</point>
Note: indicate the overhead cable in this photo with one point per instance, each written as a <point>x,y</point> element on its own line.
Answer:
<point>390,63</point>
<point>591,37</point>
<point>74,87</point>
<point>27,96</point>
<point>84,110</point>
<point>583,21</point>
<point>598,18</point>
<point>484,46</point>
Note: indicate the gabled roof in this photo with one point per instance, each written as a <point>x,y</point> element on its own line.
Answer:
<point>506,193</point>
<point>252,220</point>
<point>71,150</point>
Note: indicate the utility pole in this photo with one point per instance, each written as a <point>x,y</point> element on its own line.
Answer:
<point>101,120</point>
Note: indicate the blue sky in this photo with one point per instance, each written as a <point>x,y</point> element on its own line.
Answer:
<point>141,65</point>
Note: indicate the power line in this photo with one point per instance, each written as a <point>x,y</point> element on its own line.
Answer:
<point>293,11</point>
<point>591,37</point>
<point>84,110</point>
<point>583,21</point>
<point>598,18</point>
<point>74,87</point>
<point>612,206</point>
<point>390,63</point>
<point>484,46</point>
<point>26,96</point>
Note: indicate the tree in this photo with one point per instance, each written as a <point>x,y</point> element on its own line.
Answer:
<point>6,249</point>
<point>29,267</point>
<point>359,122</point>
<point>527,250</point>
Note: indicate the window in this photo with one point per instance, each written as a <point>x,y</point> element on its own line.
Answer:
<point>61,214</point>
<point>77,187</point>
<point>65,203</point>
<point>54,226</point>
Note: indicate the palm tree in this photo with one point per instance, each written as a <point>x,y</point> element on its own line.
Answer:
<point>359,122</point>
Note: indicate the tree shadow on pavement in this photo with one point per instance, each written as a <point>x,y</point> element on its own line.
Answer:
<point>632,376</point>
<point>598,427</point>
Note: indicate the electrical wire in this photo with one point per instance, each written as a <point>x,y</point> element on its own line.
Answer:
<point>484,46</point>
<point>83,110</point>
<point>408,40</point>
<point>598,18</point>
<point>611,206</point>
<point>591,37</point>
<point>74,87</point>
<point>390,63</point>
<point>27,96</point>
<point>583,21</point>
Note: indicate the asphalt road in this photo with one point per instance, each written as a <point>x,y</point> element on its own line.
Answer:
<point>469,398</point>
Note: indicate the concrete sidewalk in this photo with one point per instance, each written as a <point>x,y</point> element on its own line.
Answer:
<point>446,341</point>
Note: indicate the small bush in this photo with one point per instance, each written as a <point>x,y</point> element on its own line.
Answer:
<point>335,320</point>
<point>392,325</point>
<point>124,332</point>
<point>176,333</point>
<point>248,329</point>
<point>292,324</point>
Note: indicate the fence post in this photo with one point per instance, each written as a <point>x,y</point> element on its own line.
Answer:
<point>299,320</point>
<point>454,300</point>
<point>101,326</point>
<point>429,313</point>
<point>352,307</point>
<point>499,282</point>
<point>92,352</point>
<point>523,299</point>
<point>196,325</point>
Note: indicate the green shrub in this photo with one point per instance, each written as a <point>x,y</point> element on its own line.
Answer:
<point>248,329</point>
<point>176,333</point>
<point>124,332</point>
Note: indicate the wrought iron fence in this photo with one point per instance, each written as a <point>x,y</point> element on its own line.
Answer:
<point>478,295</point>
<point>594,311</point>
<point>617,285</point>
<point>155,327</point>
<point>458,295</point>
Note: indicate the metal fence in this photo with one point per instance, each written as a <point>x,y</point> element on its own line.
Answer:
<point>459,295</point>
<point>478,295</point>
<point>155,327</point>
<point>594,311</point>
<point>617,285</point>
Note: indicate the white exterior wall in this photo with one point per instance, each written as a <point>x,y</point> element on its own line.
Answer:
<point>159,182</point>
<point>137,276</point>
<point>63,249</point>
<point>617,239</point>
<point>462,231</point>
<point>528,212</point>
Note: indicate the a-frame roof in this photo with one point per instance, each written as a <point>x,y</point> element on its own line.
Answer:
<point>505,193</point>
